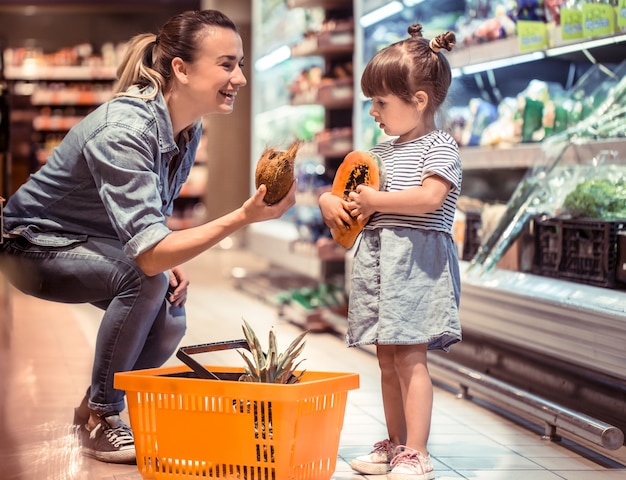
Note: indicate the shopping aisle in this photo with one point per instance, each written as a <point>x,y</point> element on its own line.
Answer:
<point>44,368</point>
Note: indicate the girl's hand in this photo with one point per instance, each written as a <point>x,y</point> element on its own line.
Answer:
<point>177,293</point>
<point>361,203</point>
<point>335,211</point>
<point>256,210</point>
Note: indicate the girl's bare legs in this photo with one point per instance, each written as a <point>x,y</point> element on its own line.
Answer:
<point>407,394</point>
<point>393,403</point>
<point>417,394</point>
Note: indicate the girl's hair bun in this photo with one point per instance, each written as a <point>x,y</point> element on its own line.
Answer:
<point>415,30</point>
<point>443,40</point>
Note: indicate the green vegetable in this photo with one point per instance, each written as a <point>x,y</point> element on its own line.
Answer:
<point>602,199</point>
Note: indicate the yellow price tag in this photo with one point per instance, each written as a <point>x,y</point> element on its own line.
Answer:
<point>531,35</point>
<point>572,24</point>
<point>621,13</point>
<point>598,20</point>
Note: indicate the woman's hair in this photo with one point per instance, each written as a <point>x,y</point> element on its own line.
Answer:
<point>148,58</point>
<point>410,65</point>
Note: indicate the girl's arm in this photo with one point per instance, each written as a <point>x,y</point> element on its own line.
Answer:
<point>182,245</point>
<point>412,201</point>
<point>335,211</point>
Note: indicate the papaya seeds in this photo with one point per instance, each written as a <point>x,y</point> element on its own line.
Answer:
<point>357,168</point>
<point>275,169</point>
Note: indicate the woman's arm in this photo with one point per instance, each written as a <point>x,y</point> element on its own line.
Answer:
<point>182,245</point>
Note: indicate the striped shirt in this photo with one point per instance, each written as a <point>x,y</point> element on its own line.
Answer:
<point>407,164</point>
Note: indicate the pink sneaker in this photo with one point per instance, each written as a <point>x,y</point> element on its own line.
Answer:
<point>409,464</point>
<point>377,461</point>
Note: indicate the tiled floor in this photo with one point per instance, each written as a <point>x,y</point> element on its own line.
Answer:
<point>44,368</point>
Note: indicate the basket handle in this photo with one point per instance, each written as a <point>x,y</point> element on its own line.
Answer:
<point>184,353</point>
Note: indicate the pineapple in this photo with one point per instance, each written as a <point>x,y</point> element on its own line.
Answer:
<point>271,367</point>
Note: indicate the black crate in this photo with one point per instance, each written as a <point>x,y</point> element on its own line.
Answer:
<point>580,250</point>
<point>472,239</point>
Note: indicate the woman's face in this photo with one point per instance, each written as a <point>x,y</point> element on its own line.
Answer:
<point>216,75</point>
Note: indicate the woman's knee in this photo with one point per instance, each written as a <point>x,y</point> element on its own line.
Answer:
<point>158,284</point>
<point>175,323</point>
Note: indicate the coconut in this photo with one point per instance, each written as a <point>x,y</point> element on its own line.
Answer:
<point>275,170</point>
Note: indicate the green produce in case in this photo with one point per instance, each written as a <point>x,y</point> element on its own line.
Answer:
<point>603,199</point>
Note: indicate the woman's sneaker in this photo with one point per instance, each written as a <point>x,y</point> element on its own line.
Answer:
<point>111,440</point>
<point>409,464</point>
<point>377,461</point>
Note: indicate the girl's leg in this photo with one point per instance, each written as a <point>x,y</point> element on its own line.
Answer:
<point>377,462</point>
<point>417,394</point>
<point>393,403</point>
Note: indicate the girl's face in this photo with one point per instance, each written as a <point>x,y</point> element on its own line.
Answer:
<point>216,75</point>
<point>398,118</point>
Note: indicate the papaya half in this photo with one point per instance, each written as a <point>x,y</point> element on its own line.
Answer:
<point>357,168</point>
<point>275,169</point>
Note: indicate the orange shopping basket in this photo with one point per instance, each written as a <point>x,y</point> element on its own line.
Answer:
<point>191,422</point>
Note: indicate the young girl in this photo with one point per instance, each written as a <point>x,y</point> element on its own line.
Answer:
<point>405,284</point>
<point>91,225</point>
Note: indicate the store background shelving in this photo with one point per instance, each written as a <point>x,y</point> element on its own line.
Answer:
<point>61,61</point>
<point>491,173</point>
<point>310,97</point>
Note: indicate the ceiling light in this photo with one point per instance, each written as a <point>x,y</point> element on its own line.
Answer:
<point>381,13</point>
<point>272,59</point>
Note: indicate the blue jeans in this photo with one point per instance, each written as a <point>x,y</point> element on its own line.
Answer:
<point>139,328</point>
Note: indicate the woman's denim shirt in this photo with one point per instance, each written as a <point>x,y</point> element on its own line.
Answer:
<point>108,178</point>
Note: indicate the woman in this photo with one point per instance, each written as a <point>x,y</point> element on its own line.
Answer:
<point>90,226</point>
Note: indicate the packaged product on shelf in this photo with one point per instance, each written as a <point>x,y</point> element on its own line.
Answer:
<point>535,121</point>
<point>531,10</point>
<point>486,21</point>
<point>482,114</point>
<point>312,181</point>
<point>598,18</point>
<point>505,130</point>
<point>601,191</point>
<point>532,195</point>
<point>553,10</point>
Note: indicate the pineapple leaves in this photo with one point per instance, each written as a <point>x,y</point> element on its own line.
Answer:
<point>271,367</point>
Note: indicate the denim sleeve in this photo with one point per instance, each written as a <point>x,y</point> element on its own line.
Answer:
<point>146,239</point>
<point>125,166</point>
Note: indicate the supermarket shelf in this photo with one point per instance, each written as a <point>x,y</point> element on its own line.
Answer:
<point>55,123</point>
<point>279,242</point>
<point>327,4</point>
<point>330,51</point>
<point>53,72</point>
<point>501,53</point>
<point>69,96</point>
<point>531,154</point>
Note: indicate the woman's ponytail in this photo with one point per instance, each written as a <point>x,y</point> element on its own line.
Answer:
<point>136,67</point>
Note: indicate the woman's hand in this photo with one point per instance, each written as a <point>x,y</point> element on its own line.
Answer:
<point>335,211</point>
<point>177,293</point>
<point>180,246</point>
<point>256,210</point>
<point>361,203</point>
